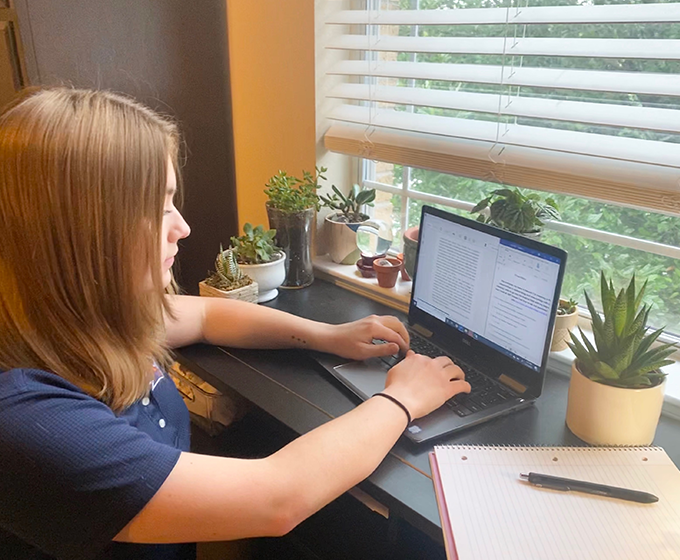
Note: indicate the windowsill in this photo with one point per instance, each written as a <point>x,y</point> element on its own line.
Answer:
<point>348,277</point>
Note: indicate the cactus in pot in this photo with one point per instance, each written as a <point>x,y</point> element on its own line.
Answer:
<point>228,274</point>
<point>228,280</point>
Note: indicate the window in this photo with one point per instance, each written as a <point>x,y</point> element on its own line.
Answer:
<point>446,99</point>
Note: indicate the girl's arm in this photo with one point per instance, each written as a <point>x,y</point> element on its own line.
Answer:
<point>214,498</point>
<point>240,324</point>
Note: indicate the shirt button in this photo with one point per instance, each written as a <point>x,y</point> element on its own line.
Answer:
<point>161,423</point>
<point>145,401</point>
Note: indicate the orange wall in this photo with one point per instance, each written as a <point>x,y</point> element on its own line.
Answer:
<point>271,53</point>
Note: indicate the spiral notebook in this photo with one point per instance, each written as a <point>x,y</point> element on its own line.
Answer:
<point>489,513</point>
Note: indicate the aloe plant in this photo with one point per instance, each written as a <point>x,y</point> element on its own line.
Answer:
<point>622,355</point>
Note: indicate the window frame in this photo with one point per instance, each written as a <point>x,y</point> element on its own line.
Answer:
<point>558,362</point>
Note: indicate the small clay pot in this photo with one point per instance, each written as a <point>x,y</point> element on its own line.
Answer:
<point>387,273</point>
<point>404,275</point>
<point>365,265</point>
<point>366,271</point>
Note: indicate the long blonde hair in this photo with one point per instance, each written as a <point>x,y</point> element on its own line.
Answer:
<point>82,187</point>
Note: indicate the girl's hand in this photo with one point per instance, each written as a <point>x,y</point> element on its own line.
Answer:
<point>423,384</point>
<point>355,340</point>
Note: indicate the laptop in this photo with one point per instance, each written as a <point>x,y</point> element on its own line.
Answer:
<point>485,297</point>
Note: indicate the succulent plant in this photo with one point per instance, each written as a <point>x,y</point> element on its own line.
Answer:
<point>255,246</point>
<point>622,355</point>
<point>227,267</point>
<point>228,275</point>
<point>567,306</point>
<point>350,205</point>
<point>290,195</point>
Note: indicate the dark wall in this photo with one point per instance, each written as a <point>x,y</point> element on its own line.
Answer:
<point>171,55</point>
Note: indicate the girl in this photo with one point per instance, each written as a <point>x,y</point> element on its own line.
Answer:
<point>94,439</point>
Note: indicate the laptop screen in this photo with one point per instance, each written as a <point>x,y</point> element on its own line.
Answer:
<point>497,291</point>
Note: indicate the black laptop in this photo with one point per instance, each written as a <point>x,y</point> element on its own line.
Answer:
<point>485,297</point>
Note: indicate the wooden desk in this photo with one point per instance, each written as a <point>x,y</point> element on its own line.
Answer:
<point>295,390</point>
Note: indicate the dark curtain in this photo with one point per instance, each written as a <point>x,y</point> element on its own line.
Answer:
<point>171,55</point>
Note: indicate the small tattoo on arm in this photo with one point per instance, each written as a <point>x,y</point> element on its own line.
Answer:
<point>298,339</point>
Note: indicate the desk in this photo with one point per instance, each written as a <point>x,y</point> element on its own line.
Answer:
<point>292,388</point>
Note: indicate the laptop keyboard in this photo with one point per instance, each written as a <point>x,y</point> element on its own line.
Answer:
<point>485,392</point>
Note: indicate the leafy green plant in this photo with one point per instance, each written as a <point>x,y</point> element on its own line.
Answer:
<point>228,275</point>
<point>290,195</point>
<point>255,246</point>
<point>622,355</point>
<point>514,211</point>
<point>566,306</point>
<point>349,206</point>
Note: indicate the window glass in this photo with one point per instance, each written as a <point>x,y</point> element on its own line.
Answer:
<point>586,257</point>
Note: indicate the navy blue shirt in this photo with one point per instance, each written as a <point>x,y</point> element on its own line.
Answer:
<point>73,473</point>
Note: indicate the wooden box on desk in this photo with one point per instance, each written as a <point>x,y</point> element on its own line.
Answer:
<point>246,293</point>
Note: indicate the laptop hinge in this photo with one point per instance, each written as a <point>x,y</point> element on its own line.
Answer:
<point>422,330</point>
<point>512,384</point>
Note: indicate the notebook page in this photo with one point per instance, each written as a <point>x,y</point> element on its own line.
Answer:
<point>449,543</point>
<point>495,515</point>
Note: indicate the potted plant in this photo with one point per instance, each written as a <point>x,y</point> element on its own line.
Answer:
<point>410,239</point>
<point>616,388</point>
<point>261,259</point>
<point>565,321</point>
<point>228,280</point>
<point>387,269</point>
<point>514,211</point>
<point>343,223</point>
<point>291,210</point>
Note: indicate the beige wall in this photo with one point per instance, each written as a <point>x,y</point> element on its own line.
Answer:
<point>271,46</point>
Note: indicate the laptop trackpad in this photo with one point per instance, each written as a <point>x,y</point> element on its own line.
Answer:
<point>364,378</point>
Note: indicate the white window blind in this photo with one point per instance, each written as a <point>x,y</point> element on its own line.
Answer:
<point>581,99</point>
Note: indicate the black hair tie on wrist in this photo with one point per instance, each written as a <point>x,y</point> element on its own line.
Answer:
<point>395,401</point>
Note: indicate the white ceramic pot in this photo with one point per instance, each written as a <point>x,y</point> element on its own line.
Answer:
<point>343,240</point>
<point>604,415</point>
<point>269,276</point>
<point>563,326</point>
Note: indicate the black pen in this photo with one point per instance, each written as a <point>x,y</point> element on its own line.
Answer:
<point>567,485</point>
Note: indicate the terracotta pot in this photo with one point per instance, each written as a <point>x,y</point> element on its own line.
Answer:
<point>365,266</point>
<point>410,249</point>
<point>404,275</point>
<point>563,326</point>
<point>604,415</point>
<point>387,274</point>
